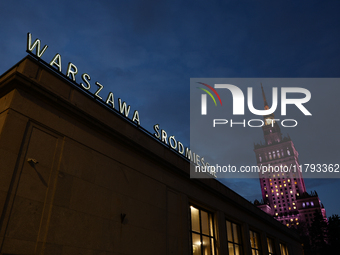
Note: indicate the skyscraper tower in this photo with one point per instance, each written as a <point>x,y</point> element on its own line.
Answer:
<point>283,188</point>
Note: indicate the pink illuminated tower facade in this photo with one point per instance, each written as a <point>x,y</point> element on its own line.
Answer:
<point>284,193</point>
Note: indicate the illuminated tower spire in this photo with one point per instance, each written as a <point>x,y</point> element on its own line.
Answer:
<point>266,107</point>
<point>271,129</point>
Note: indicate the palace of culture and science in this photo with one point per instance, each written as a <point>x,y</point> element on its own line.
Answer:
<point>284,194</point>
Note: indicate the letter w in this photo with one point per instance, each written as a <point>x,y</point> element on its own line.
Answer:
<point>36,43</point>
<point>123,109</point>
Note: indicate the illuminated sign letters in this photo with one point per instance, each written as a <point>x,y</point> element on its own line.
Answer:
<point>123,108</point>
<point>178,146</point>
<point>71,73</point>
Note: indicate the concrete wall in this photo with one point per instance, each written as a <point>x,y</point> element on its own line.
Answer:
<point>93,167</point>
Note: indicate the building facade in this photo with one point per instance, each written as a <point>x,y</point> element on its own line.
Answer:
<point>78,177</point>
<point>284,194</point>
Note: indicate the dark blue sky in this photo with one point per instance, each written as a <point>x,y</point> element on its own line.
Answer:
<point>147,51</point>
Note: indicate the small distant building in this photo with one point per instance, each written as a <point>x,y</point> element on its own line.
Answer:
<point>309,205</point>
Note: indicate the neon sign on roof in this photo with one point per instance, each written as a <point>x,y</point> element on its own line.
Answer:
<point>71,73</point>
<point>123,108</point>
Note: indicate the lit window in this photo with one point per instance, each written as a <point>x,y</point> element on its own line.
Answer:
<point>283,249</point>
<point>266,195</point>
<point>307,203</point>
<point>288,152</point>
<point>294,207</point>
<point>312,203</point>
<point>202,232</point>
<point>255,242</point>
<point>234,238</point>
<point>271,247</point>
<point>303,204</point>
<point>278,154</point>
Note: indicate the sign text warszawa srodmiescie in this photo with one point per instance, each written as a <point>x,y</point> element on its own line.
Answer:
<point>123,108</point>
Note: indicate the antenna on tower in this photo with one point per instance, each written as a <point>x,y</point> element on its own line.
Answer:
<point>264,98</point>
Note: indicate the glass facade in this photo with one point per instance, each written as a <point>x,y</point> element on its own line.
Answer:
<point>202,232</point>
<point>255,243</point>
<point>234,238</point>
<point>283,249</point>
<point>203,237</point>
<point>271,246</point>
